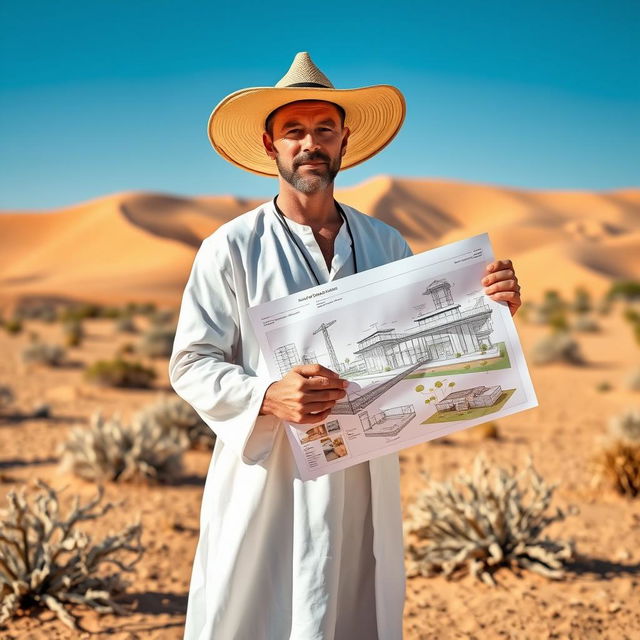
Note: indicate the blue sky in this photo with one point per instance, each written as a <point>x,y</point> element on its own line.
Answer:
<point>104,96</point>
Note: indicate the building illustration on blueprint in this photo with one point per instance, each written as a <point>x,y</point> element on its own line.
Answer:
<point>443,332</point>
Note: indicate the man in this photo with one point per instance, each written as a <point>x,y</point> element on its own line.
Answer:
<point>277,557</point>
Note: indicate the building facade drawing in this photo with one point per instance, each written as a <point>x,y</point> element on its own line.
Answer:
<point>286,357</point>
<point>444,332</point>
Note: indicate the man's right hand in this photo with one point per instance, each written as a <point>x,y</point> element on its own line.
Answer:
<point>305,395</point>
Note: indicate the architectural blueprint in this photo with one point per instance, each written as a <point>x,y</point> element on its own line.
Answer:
<point>426,352</point>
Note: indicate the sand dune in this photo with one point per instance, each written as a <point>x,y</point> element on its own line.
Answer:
<point>140,246</point>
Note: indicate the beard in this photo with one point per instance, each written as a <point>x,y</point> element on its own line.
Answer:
<point>323,175</point>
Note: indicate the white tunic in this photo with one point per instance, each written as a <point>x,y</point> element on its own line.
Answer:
<point>277,557</point>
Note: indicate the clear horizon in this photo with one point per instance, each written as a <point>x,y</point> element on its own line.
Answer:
<point>99,99</point>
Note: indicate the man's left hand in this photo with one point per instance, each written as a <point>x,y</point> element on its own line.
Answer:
<point>500,284</point>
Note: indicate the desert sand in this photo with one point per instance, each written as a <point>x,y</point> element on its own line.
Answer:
<point>139,247</point>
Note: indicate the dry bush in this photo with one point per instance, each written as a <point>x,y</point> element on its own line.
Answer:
<point>50,355</point>
<point>125,324</point>
<point>557,347</point>
<point>585,323</point>
<point>618,463</point>
<point>120,373</point>
<point>633,380</point>
<point>478,522</point>
<point>157,342</point>
<point>73,332</point>
<point>175,413</point>
<point>13,326</point>
<point>113,450</point>
<point>47,560</point>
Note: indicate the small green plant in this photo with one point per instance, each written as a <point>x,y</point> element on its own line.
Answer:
<point>625,290</point>
<point>48,560</point>
<point>121,373</point>
<point>13,326</point>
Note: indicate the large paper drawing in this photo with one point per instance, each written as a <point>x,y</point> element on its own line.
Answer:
<point>426,352</point>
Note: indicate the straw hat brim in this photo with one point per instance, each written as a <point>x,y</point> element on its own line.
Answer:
<point>374,116</point>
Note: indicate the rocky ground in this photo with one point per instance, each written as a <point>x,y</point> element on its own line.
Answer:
<point>597,599</point>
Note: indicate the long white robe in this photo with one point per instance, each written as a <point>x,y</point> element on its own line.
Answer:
<point>271,562</point>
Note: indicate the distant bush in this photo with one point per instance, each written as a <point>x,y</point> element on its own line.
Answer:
<point>585,323</point>
<point>73,333</point>
<point>603,386</point>
<point>13,326</point>
<point>619,461</point>
<point>633,380</point>
<point>125,324</point>
<point>121,373</point>
<point>625,290</point>
<point>557,347</point>
<point>46,560</point>
<point>175,413</point>
<point>51,355</point>
<point>582,301</point>
<point>80,312</point>
<point>112,450</point>
<point>157,342</point>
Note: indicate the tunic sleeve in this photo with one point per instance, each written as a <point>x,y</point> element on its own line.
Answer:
<point>202,366</point>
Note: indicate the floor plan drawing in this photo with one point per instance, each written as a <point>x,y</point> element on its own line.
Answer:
<point>418,325</point>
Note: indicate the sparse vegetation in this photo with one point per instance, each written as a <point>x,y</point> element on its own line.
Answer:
<point>47,560</point>
<point>478,522</point>
<point>43,353</point>
<point>13,326</point>
<point>603,386</point>
<point>174,413</point>
<point>618,463</point>
<point>633,380</point>
<point>625,290</point>
<point>73,333</point>
<point>157,342</point>
<point>121,373</point>
<point>143,450</point>
<point>557,347</point>
<point>125,324</point>
<point>585,323</point>
<point>582,301</point>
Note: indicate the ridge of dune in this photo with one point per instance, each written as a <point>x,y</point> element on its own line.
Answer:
<point>140,245</point>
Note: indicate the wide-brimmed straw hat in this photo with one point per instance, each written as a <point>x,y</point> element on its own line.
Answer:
<point>373,114</point>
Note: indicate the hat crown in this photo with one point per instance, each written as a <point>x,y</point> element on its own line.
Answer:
<point>304,73</point>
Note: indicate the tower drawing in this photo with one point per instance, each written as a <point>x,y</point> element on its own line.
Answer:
<point>286,357</point>
<point>332,354</point>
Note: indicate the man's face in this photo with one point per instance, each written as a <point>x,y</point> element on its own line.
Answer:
<point>307,142</point>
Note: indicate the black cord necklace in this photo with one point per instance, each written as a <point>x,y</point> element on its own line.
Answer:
<point>292,237</point>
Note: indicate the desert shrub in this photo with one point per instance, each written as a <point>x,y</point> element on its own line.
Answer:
<point>80,312</point>
<point>175,413</point>
<point>480,521</point>
<point>73,333</point>
<point>633,380</point>
<point>13,326</point>
<point>618,462</point>
<point>111,313</point>
<point>626,426</point>
<point>582,301</point>
<point>143,308</point>
<point>120,452</point>
<point>585,323</point>
<point>603,386</point>
<point>125,324</point>
<point>557,320</point>
<point>552,302</point>
<point>557,347</point>
<point>47,560</point>
<point>162,317</point>
<point>51,355</point>
<point>6,397</point>
<point>120,373</point>
<point>157,342</point>
<point>487,431</point>
<point>625,290</point>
